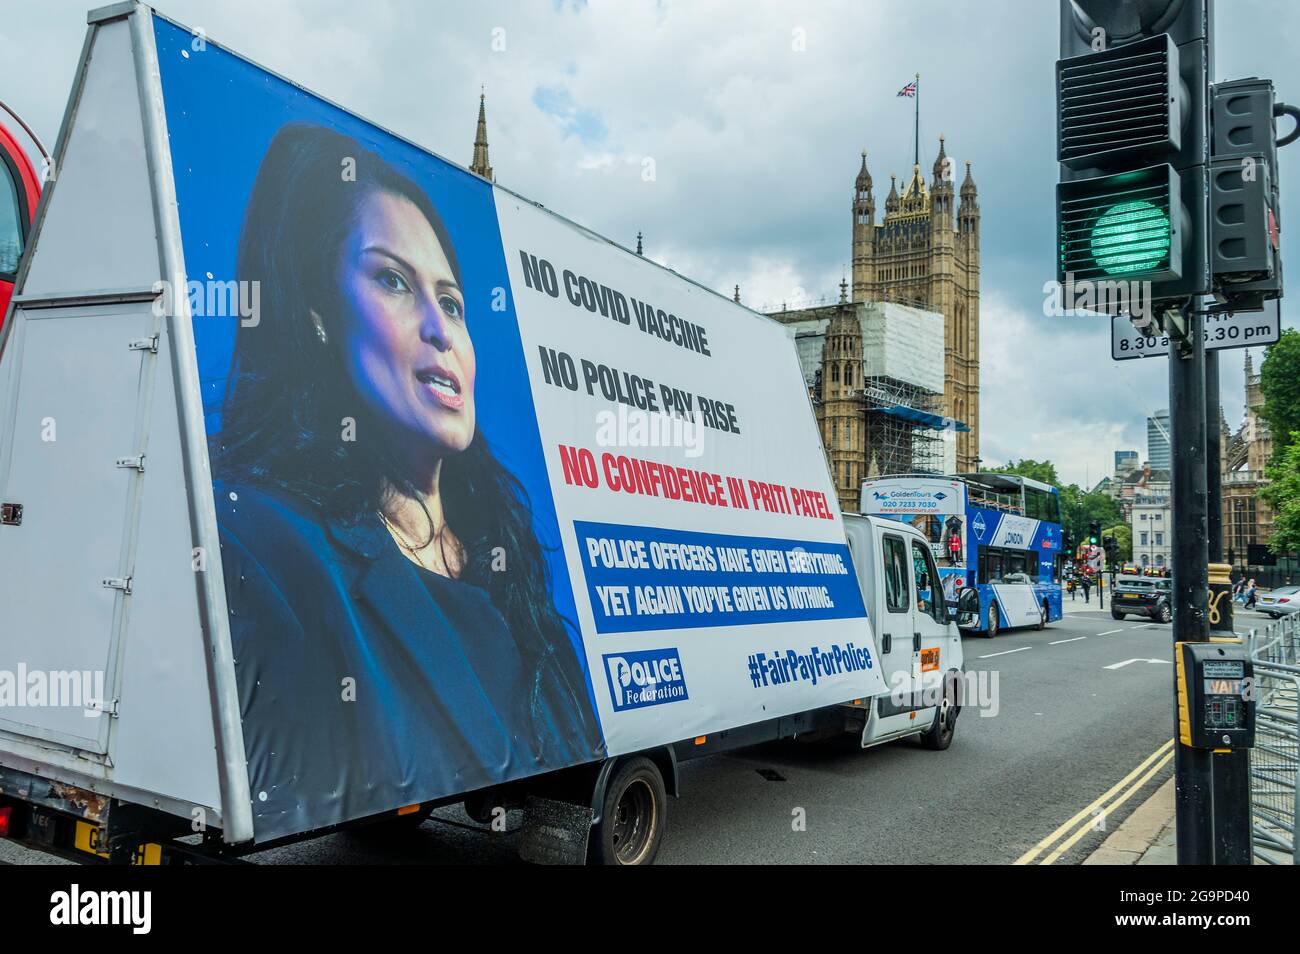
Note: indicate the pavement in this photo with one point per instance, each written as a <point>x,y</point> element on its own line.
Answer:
<point>1145,838</point>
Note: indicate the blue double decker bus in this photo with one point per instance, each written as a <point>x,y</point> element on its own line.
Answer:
<point>998,533</point>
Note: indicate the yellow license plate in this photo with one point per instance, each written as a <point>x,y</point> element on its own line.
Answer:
<point>87,839</point>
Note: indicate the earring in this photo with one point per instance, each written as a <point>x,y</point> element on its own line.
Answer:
<point>320,327</point>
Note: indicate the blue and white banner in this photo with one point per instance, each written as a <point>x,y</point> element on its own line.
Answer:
<point>644,579</point>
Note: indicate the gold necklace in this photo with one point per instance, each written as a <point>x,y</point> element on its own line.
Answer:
<point>402,542</point>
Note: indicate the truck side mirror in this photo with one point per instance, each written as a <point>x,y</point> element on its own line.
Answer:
<point>968,607</point>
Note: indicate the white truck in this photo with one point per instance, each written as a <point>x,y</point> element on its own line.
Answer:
<point>338,484</point>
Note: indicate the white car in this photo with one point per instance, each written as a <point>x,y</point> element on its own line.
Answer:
<point>1279,602</point>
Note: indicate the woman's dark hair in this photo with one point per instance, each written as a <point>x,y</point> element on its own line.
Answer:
<point>288,394</point>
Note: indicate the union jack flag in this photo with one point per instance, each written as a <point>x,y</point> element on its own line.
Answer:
<point>908,90</point>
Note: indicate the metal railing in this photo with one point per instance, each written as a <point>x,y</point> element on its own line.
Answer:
<point>1275,759</point>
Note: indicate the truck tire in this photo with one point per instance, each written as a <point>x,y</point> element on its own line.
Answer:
<point>633,815</point>
<point>939,736</point>
<point>1116,614</point>
<point>992,629</point>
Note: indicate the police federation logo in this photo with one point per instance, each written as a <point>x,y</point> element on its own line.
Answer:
<point>646,678</point>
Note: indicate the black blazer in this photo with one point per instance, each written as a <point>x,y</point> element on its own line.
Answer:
<point>367,683</point>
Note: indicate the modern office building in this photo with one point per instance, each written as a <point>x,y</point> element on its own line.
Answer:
<point>1159,455</point>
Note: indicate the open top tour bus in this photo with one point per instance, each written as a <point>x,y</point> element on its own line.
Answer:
<point>998,533</point>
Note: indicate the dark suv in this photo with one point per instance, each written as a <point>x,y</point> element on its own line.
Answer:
<point>1143,595</point>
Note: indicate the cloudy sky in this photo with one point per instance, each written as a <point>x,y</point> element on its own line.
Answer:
<point>755,115</point>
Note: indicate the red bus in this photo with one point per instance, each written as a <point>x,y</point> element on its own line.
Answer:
<point>20,189</point>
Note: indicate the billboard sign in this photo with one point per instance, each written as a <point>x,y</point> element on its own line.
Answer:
<point>495,496</point>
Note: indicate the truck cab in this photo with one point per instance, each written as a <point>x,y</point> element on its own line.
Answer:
<point>917,636</point>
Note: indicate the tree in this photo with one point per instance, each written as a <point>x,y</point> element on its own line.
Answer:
<point>1123,535</point>
<point>1279,380</point>
<point>1080,508</point>
<point>1043,471</point>
<point>1283,493</point>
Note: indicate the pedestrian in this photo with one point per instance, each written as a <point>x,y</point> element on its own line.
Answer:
<point>1087,588</point>
<point>1250,595</point>
<point>1239,590</point>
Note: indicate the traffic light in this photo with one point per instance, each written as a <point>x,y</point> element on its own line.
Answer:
<point>1094,533</point>
<point>1111,546</point>
<point>1245,214</point>
<point>1132,91</point>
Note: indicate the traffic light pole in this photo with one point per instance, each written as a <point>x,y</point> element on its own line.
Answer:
<point>1187,405</point>
<point>1213,458</point>
<point>1229,771</point>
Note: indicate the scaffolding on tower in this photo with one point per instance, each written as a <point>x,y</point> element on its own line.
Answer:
<point>905,428</point>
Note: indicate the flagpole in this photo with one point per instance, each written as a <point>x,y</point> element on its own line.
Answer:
<point>916,125</point>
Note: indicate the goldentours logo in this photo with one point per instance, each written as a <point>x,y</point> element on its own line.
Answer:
<point>649,677</point>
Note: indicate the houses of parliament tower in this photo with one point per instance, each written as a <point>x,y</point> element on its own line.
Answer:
<point>926,253</point>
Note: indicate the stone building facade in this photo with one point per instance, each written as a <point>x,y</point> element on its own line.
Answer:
<point>1247,518</point>
<point>926,253</point>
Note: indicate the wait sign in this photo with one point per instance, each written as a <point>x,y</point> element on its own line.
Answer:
<point>1244,330</point>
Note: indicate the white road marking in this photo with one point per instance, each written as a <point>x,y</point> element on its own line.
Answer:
<point>1112,632</point>
<point>1127,662</point>
<point>1075,640</point>
<point>1007,653</point>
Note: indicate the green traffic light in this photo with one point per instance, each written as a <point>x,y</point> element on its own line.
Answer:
<point>1130,237</point>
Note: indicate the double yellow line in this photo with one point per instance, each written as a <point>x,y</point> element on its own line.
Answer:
<point>1065,837</point>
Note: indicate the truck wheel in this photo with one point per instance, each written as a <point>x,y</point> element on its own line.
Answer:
<point>632,815</point>
<point>939,736</point>
<point>1116,614</point>
<point>992,630</point>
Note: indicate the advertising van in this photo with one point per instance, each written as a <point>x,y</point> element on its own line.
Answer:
<point>340,483</point>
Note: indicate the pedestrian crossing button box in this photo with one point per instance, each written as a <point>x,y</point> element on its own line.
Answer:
<point>1215,696</point>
